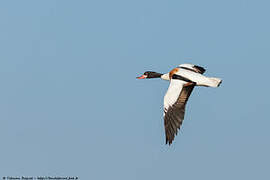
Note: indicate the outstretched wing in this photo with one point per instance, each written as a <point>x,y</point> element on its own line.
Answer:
<point>174,106</point>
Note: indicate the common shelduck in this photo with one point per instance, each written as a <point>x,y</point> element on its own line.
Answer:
<point>182,81</point>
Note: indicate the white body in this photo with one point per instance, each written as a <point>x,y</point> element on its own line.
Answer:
<point>200,79</point>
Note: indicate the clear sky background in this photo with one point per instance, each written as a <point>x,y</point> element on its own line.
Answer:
<point>70,104</point>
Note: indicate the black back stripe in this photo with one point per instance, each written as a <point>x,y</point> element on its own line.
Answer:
<point>175,76</point>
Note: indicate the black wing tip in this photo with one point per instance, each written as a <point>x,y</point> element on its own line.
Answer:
<point>219,83</point>
<point>169,141</point>
<point>201,69</point>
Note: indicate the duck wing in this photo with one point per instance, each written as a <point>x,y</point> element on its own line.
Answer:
<point>174,106</point>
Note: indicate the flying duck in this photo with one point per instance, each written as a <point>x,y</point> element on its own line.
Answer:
<point>182,79</point>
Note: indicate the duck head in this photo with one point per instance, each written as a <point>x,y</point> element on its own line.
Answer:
<point>150,74</point>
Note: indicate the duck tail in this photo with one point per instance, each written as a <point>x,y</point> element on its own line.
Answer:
<point>214,82</point>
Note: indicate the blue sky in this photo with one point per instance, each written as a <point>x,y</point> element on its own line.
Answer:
<point>70,104</point>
